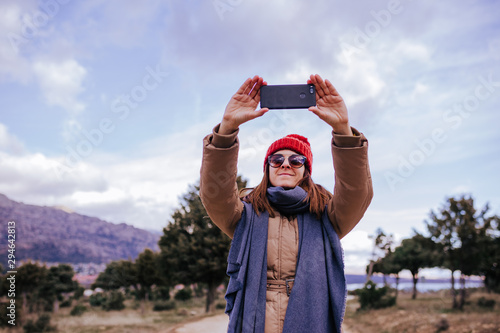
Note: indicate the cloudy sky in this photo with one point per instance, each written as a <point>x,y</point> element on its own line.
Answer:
<point>104,104</point>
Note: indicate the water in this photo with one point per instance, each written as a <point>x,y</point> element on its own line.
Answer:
<point>422,286</point>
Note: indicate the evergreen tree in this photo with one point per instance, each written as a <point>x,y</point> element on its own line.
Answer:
<point>59,281</point>
<point>388,265</point>
<point>464,235</point>
<point>148,274</point>
<point>193,249</point>
<point>30,276</point>
<point>491,267</point>
<point>41,288</point>
<point>117,274</point>
<point>414,254</point>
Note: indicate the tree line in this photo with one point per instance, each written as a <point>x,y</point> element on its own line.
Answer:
<point>37,289</point>
<point>193,251</point>
<point>459,238</point>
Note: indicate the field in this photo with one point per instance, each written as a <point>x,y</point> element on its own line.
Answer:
<point>427,314</point>
<point>129,320</point>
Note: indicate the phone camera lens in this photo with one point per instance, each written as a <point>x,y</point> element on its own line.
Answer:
<point>311,90</point>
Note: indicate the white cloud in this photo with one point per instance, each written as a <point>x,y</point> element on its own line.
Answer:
<point>35,177</point>
<point>141,189</point>
<point>9,143</point>
<point>12,65</point>
<point>357,241</point>
<point>357,251</point>
<point>410,50</point>
<point>61,83</point>
<point>362,76</point>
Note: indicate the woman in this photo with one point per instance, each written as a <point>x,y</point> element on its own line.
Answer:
<point>285,264</point>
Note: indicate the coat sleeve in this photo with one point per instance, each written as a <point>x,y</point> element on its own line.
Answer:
<point>218,188</point>
<point>353,190</point>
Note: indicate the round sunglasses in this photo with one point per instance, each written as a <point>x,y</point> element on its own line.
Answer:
<point>295,161</point>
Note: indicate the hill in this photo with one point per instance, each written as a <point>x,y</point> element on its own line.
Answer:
<point>51,234</point>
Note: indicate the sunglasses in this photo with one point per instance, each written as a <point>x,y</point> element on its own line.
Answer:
<point>295,161</point>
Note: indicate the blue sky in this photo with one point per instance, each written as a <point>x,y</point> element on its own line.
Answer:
<point>105,103</point>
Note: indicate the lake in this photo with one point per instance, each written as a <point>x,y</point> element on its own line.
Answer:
<point>424,285</point>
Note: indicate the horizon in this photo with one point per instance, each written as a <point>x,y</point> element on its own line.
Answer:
<point>424,273</point>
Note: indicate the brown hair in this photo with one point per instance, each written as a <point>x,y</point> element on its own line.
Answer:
<point>317,195</point>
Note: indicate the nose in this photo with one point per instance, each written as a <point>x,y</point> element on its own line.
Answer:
<point>285,164</point>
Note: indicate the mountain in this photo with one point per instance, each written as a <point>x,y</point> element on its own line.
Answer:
<point>51,234</point>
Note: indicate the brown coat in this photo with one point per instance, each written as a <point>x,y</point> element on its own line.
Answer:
<point>218,191</point>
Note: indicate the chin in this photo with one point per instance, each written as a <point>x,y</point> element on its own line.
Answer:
<point>286,185</point>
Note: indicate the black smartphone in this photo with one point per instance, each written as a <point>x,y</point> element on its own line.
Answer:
<point>288,96</point>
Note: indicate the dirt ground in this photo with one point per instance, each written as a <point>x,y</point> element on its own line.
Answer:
<point>215,324</point>
<point>429,313</point>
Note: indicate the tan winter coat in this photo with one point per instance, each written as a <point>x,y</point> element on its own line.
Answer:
<point>219,193</point>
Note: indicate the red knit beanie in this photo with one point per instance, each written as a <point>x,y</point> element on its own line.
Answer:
<point>295,142</point>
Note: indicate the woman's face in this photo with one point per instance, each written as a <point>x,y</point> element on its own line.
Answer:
<point>284,175</point>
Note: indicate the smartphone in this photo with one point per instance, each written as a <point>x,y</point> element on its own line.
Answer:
<point>289,96</point>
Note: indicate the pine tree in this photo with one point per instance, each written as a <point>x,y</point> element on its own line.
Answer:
<point>464,235</point>
<point>193,249</point>
<point>414,254</point>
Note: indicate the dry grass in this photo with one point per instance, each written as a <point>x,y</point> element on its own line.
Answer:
<point>129,320</point>
<point>424,315</point>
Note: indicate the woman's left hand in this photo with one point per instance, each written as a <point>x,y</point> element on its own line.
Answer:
<point>330,106</point>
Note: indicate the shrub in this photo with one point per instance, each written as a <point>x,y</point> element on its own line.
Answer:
<point>41,325</point>
<point>184,294</point>
<point>164,305</point>
<point>220,305</point>
<point>114,301</point>
<point>161,293</point>
<point>78,293</point>
<point>97,299</point>
<point>78,310</point>
<point>442,325</point>
<point>371,297</point>
<point>486,303</point>
<point>65,303</point>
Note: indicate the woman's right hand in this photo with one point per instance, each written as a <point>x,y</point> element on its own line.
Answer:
<point>241,107</point>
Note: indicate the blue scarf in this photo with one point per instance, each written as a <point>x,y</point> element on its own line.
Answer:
<point>317,300</point>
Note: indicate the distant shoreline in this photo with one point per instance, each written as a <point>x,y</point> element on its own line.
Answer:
<point>423,285</point>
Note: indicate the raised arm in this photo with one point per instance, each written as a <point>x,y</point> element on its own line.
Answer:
<point>353,189</point>
<point>353,185</point>
<point>218,188</point>
<point>242,105</point>
<point>330,106</point>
